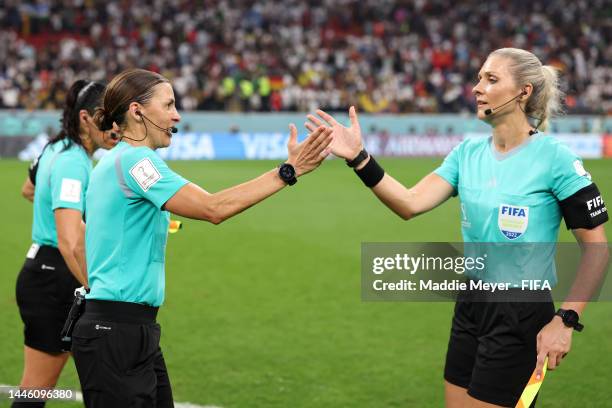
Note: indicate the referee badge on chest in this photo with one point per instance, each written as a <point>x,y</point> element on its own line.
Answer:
<point>512,220</point>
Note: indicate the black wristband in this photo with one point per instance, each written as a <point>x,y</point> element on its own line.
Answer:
<point>363,154</point>
<point>371,173</point>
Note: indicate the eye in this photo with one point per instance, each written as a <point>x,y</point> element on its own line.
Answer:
<point>492,80</point>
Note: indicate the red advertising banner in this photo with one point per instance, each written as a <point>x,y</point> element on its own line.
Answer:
<point>607,139</point>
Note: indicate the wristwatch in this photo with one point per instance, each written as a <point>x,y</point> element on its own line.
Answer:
<point>287,173</point>
<point>570,319</point>
<point>363,154</point>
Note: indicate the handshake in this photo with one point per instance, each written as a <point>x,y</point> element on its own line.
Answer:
<point>327,136</point>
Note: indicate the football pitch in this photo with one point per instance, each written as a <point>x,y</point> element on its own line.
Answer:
<point>265,309</point>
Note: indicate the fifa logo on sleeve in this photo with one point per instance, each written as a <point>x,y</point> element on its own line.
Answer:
<point>594,203</point>
<point>512,220</point>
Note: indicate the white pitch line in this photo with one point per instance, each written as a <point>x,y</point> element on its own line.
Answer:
<point>78,396</point>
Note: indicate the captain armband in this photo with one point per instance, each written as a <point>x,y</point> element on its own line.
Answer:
<point>584,209</point>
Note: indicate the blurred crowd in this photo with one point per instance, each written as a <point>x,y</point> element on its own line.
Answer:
<point>416,56</point>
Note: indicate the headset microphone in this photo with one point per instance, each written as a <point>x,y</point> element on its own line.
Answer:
<point>491,110</point>
<point>171,129</point>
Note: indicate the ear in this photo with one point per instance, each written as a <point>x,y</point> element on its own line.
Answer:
<point>526,92</point>
<point>134,111</point>
<point>84,116</point>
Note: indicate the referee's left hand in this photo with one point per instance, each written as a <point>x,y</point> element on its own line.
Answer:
<point>554,341</point>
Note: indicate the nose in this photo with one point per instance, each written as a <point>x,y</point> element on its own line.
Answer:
<point>477,89</point>
<point>176,117</point>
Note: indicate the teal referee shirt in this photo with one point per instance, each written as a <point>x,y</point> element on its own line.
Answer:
<point>61,182</point>
<point>513,197</point>
<point>126,229</point>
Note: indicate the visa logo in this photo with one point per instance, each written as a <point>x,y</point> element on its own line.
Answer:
<point>513,211</point>
<point>595,202</point>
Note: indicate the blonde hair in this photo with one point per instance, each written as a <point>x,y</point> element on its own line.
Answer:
<point>525,68</point>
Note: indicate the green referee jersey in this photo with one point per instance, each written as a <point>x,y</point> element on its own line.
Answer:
<point>126,227</point>
<point>513,197</point>
<point>61,182</point>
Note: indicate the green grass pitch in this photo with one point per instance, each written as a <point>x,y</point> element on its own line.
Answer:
<point>265,309</point>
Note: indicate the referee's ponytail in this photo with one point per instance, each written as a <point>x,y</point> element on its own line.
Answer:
<point>545,100</point>
<point>82,94</point>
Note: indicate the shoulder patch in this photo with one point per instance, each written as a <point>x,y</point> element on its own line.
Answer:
<point>580,169</point>
<point>70,190</point>
<point>145,174</point>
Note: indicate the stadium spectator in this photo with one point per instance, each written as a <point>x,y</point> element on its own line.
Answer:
<point>270,55</point>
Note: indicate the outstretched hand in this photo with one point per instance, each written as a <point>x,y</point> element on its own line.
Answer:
<point>347,141</point>
<point>308,155</point>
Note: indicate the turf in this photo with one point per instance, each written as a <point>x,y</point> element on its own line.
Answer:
<point>265,310</point>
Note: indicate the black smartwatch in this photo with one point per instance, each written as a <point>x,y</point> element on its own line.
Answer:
<point>287,173</point>
<point>570,319</point>
<point>363,154</point>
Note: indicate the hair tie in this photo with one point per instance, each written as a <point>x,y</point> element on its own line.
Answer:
<point>107,122</point>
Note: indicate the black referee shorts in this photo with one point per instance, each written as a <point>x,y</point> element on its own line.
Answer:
<point>116,351</point>
<point>45,291</point>
<point>492,346</point>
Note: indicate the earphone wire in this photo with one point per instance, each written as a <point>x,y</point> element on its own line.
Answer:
<point>144,122</point>
<point>535,130</point>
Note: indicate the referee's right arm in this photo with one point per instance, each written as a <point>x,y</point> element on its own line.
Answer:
<point>27,190</point>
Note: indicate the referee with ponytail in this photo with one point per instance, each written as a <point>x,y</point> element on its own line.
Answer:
<point>56,184</point>
<point>115,343</point>
<point>514,187</point>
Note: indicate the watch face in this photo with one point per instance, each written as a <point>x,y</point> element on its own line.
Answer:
<point>287,172</point>
<point>570,317</point>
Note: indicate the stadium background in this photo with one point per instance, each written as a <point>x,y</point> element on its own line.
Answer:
<point>265,310</point>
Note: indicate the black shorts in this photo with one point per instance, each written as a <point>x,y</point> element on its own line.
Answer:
<point>45,291</point>
<point>492,347</point>
<point>116,351</point>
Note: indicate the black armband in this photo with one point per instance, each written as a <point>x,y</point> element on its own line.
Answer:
<point>33,169</point>
<point>584,209</point>
<point>371,173</point>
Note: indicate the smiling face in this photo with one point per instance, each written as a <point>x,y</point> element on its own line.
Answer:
<point>495,87</point>
<point>160,111</point>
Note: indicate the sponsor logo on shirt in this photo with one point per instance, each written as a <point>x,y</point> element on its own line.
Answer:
<point>512,220</point>
<point>70,190</point>
<point>145,174</point>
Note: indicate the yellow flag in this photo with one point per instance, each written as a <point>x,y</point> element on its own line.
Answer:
<point>174,226</point>
<point>532,388</point>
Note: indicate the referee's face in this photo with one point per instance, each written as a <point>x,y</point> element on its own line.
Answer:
<point>495,87</point>
<point>161,110</point>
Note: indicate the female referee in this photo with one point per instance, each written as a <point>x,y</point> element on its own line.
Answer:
<point>116,341</point>
<point>494,347</point>
<point>56,183</point>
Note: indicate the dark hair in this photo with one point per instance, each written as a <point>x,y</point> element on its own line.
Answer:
<point>82,94</point>
<point>132,85</point>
